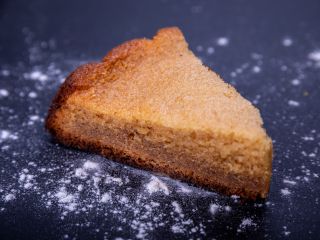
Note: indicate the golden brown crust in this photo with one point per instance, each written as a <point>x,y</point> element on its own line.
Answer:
<point>76,81</point>
<point>126,49</point>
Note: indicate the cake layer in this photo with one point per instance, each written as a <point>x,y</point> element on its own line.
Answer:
<point>225,163</point>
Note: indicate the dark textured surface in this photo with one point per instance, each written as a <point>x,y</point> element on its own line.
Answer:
<point>53,37</point>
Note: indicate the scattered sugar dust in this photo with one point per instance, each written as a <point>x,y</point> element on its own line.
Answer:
<point>87,187</point>
<point>199,48</point>
<point>315,55</point>
<point>4,93</point>
<point>210,50</point>
<point>214,208</point>
<point>177,207</point>
<point>7,135</point>
<point>293,103</point>
<point>295,82</point>
<point>256,69</point>
<point>287,42</point>
<point>106,197</point>
<point>156,185</point>
<point>285,231</point>
<point>290,182</point>
<point>32,94</point>
<point>9,197</point>
<point>285,192</point>
<point>222,41</point>
<point>246,223</point>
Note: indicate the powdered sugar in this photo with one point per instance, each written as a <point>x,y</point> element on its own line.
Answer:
<point>66,200</point>
<point>285,231</point>
<point>214,208</point>
<point>293,103</point>
<point>307,138</point>
<point>26,180</point>
<point>4,93</point>
<point>177,229</point>
<point>32,94</point>
<point>184,189</point>
<point>7,135</point>
<point>106,197</point>
<point>36,75</point>
<point>222,41</point>
<point>5,72</point>
<point>246,223</point>
<point>295,82</point>
<point>287,42</point>
<point>227,208</point>
<point>115,180</point>
<point>290,182</point>
<point>63,196</point>
<point>4,134</point>
<point>285,192</point>
<point>85,187</point>
<point>81,173</point>
<point>156,185</point>
<point>256,69</point>
<point>88,165</point>
<point>315,55</point>
<point>9,197</point>
<point>199,48</point>
<point>210,50</point>
<point>177,207</point>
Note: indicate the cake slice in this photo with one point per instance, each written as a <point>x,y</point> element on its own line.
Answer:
<point>154,105</point>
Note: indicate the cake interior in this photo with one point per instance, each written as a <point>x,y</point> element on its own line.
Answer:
<point>227,163</point>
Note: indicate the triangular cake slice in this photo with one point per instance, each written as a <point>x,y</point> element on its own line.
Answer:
<point>153,104</point>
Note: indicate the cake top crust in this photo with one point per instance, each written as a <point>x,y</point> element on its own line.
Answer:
<point>160,81</point>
